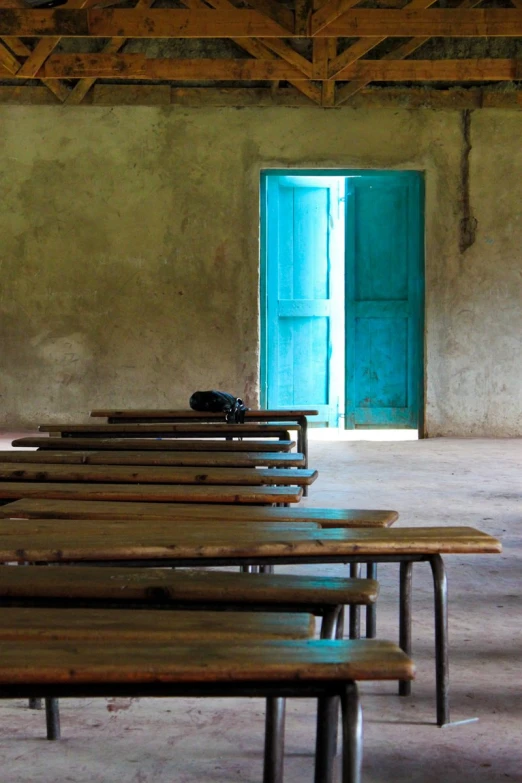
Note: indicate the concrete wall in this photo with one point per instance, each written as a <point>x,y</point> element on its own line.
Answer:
<point>129,252</point>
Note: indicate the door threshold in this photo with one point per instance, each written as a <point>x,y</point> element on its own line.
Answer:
<point>333,434</point>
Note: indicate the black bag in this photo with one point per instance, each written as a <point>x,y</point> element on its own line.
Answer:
<point>219,402</point>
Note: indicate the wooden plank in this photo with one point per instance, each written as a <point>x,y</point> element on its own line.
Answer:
<point>36,626</point>
<point>7,60</point>
<point>173,587</point>
<point>130,23</point>
<point>18,47</point>
<point>77,509</point>
<point>329,13</point>
<point>453,99</point>
<point>153,444</point>
<point>174,23</point>
<point>199,429</point>
<point>157,665</point>
<point>138,66</point>
<point>289,55</point>
<point>188,415</point>
<point>303,10</point>
<point>119,474</point>
<point>52,541</point>
<point>177,493</point>
<point>276,11</point>
<point>80,90</point>
<point>221,459</point>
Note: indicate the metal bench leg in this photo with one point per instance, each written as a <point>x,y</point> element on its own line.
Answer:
<point>371,609</point>
<point>52,718</point>
<point>35,704</point>
<point>274,740</point>
<point>355,611</point>
<point>352,734</point>
<point>440,586</point>
<point>406,573</point>
<point>327,710</point>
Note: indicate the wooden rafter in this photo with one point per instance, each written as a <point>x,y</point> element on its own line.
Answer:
<point>138,66</point>
<point>238,23</point>
<point>399,53</point>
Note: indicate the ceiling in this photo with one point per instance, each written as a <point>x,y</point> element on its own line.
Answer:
<point>327,53</point>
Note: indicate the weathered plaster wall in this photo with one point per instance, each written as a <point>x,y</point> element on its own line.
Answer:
<point>129,252</point>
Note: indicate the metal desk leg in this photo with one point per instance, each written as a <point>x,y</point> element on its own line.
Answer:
<point>302,444</point>
<point>440,586</point>
<point>371,609</point>
<point>352,734</point>
<point>327,712</point>
<point>35,704</point>
<point>274,740</point>
<point>355,611</point>
<point>406,573</point>
<point>52,719</point>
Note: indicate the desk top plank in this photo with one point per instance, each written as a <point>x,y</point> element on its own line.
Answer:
<point>177,493</point>
<point>198,429</point>
<point>52,541</point>
<point>119,474</point>
<point>166,586</point>
<point>79,509</point>
<point>54,663</point>
<point>36,625</point>
<point>223,459</point>
<point>152,444</point>
<point>187,414</point>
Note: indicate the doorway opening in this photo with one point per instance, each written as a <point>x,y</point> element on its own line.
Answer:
<point>342,298</point>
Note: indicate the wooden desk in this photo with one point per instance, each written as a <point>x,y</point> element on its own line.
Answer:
<point>80,509</point>
<point>177,493</point>
<point>298,415</point>
<point>160,543</point>
<point>195,459</point>
<point>152,444</point>
<point>120,474</point>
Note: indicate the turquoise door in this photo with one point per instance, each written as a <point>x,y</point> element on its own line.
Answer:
<point>305,247</point>
<point>384,300</point>
<point>342,296</point>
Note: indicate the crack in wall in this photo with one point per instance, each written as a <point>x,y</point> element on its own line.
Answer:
<point>468,224</point>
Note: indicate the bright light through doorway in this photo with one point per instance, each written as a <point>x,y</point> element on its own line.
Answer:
<point>329,433</point>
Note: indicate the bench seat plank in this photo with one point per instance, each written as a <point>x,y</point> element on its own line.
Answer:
<point>84,509</point>
<point>196,429</point>
<point>142,625</point>
<point>50,541</point>
<point>118,474</point>
<point>188,414</point>
<point>216,459</point>
<point>165,586</point>
<point>317,660</point>
<point>152,444</point>
<point>178,493</point>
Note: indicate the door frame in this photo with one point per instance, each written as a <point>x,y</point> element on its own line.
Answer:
<point>263,268</point>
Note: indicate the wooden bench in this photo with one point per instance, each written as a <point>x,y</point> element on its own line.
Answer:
<point>85,509</point>
<point>151,444</point>
<point>194,459</point>
<point>120,474</point>
<point>173,493</point>
<point>320,668</point>
<point>49,541</point>
<point>191,429</point>
<point>297,415</point>
<point>71,587</point>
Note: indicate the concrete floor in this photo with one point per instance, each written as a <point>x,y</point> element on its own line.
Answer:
<point>443,482</point>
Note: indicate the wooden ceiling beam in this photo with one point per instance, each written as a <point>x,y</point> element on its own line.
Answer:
<point>138,66</point>
<point>399,53</point>
<point>240,23</point>
<point>329,13</point>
